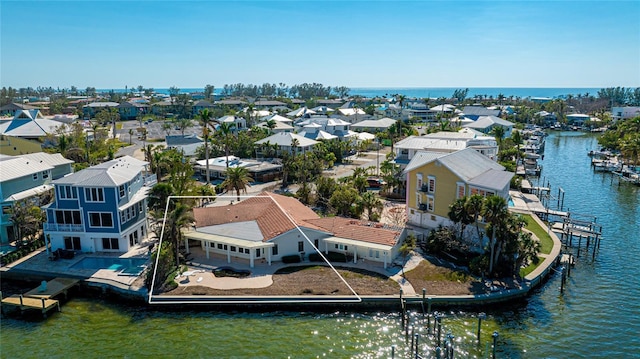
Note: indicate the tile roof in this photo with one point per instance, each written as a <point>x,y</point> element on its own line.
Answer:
<point>267,209</point>
<point>269,215</point>
<point>358,230</point>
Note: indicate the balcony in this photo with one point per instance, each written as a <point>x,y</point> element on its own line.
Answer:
<point>422,207</point>
<point>150,180</point>
<point>424,188</point>
<point>56,227</point>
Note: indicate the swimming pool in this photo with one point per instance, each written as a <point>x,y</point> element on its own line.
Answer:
<point>124,266</point>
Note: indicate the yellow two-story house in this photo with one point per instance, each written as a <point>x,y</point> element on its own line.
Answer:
<point>435,180</point>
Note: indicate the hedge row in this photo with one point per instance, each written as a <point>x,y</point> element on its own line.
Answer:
<point>21,252</point>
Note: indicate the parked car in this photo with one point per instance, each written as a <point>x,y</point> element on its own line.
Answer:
<point>375,182</point>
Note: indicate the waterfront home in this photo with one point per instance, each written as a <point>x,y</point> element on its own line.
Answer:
<point>102,208</point>
<point>269,227</point>
<point>486,124</point>
<point>259,171</point>
<point>26,177</point>
<point>623,113</point>
<point>577,119</point>
<point>437,179</point>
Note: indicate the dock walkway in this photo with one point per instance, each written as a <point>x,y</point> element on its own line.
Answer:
<point>41,298</point>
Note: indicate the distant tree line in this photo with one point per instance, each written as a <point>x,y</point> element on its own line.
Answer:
<point>303,91</point>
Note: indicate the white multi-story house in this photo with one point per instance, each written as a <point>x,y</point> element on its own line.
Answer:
<point>445,142</point>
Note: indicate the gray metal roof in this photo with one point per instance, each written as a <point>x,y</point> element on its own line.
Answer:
<point>12,167</point>
<point>486,121</point>
<point>492,179</point>
<point>468,163</point>
<point>422,158</point>
<point>109,174</point>
<point>285,139</point>
<point>52,159</point>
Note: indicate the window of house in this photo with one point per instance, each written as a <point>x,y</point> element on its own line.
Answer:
<point>94,194</point>
<point>68,217</point>
<point>45,174</point>
<point>316,243</point>
<point>257,252</point>
<point>100,219</point>
<point>233,248</point>
<point>461,191</point>
<point>430,203</point>
<point>419,181</point>
<point>72,243</point>
<point>300,246</point>
<point>274,250</point>
<point>110,243</point>
<point>35,176</point>
<point>219,245</point>
<point>225,247</point>
<point>431,184</point>
<point>121,191</point>
<point>67,192</point>
<point>246,251</point>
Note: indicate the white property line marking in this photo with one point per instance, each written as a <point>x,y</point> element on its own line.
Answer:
<point>212,300</point>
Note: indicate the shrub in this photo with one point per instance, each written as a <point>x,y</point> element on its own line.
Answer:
<point>294,258</point>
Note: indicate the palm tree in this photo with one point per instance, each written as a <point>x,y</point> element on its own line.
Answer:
<point>271,124</point>
<point>205,118</point>
<point>372,204</point>
<point>494,211</point>
<point>498,133</point>
<point>294,146</point>
<point>458,213</point>
<point>473,206</point>
<point>177,219</point>
<point>237,178</point>
<point>225,130</point>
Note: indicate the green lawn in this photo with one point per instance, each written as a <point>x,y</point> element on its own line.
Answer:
<point>545,239</point>
<point>528,269</point>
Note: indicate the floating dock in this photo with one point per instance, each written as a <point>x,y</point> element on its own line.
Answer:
<point>42,297</point>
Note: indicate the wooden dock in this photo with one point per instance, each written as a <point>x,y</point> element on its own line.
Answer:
<point>41,298</point>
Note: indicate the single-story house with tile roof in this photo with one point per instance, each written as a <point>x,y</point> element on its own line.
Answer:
<point>270,226</point>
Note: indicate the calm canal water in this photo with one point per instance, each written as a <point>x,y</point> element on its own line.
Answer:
<point>597,317</point>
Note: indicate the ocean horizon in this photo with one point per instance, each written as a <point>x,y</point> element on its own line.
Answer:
<point>438,92</point>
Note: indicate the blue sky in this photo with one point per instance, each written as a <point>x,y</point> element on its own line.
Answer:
<point>339,43</point>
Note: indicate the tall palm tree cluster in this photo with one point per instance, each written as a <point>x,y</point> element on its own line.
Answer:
<point>507,247</point>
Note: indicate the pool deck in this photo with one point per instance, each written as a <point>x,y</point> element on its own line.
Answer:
<point>38,265</point>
